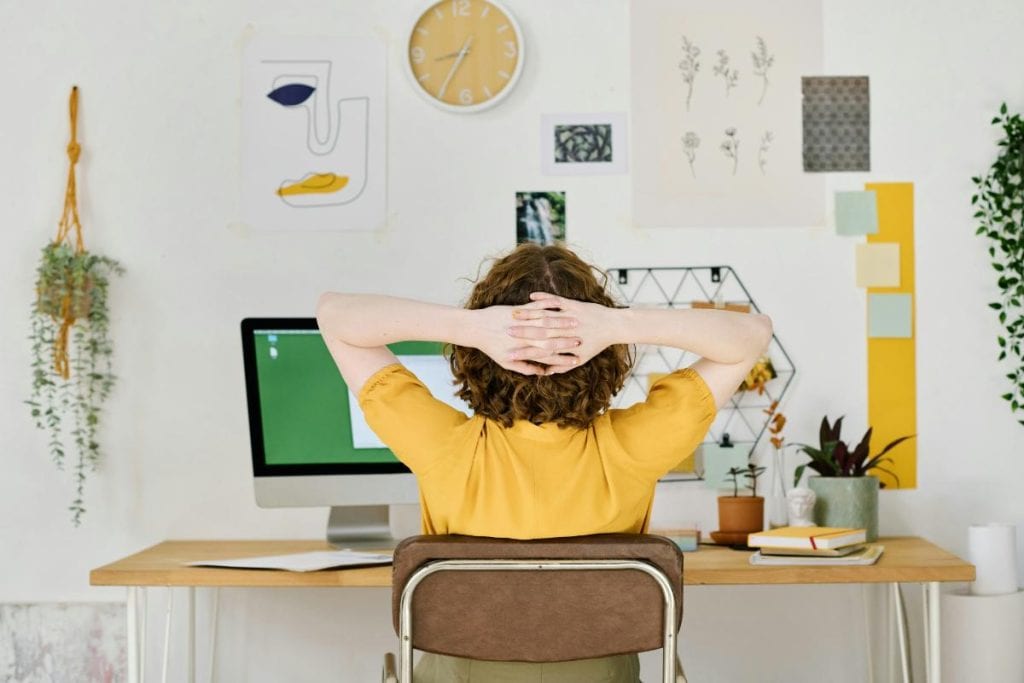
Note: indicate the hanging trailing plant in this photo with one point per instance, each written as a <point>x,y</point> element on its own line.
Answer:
<point>999,210</point>
<point>71,346</point>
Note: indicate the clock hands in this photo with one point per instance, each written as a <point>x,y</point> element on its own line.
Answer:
<point>458,60</point>
<point>450,55</point>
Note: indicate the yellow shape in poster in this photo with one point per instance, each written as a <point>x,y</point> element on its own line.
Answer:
<point>314,183</point>
<point>892,363</point>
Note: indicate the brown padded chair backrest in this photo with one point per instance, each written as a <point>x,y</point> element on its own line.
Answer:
<point>538,616</point>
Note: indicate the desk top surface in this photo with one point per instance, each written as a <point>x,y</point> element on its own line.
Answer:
<point>906,559</point>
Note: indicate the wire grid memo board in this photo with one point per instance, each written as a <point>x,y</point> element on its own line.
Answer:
<point>743,419</point>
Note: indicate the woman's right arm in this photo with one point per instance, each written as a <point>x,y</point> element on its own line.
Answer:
<point>728,343</point>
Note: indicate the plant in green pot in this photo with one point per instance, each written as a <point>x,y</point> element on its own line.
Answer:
<point>739,515</point>
<point>847,495</point>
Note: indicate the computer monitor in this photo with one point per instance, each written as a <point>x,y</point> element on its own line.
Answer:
<point>311,445</point>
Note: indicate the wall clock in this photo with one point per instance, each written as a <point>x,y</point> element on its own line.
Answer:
<point>465,55</point>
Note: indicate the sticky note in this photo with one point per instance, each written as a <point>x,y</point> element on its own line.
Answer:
<point>718,461</point>
<point>878,264</point>
<point>890,315</point>
<point>856,213</point>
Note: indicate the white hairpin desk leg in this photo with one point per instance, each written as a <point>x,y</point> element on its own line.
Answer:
<point>167,633</point>
<point>901,631</point>
<point>213,633</point>
<point>142,596</point>
<point>132,634</point>
<point>190,662</point>
<point>932,646</point>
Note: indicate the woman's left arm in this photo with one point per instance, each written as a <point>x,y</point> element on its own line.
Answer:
<point>358,327</point>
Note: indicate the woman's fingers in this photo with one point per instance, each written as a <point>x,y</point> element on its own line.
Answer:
<point>543,331</point>
<point>540,353</point>
<point>561,360</point>
<point>542,314</point>
<point>524,368</point>
<point>539,300</point>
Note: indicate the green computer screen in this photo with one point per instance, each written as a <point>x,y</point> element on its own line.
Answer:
<point>305,407</point>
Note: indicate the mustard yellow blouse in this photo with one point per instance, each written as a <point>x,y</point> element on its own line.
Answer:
<point>537,481</point>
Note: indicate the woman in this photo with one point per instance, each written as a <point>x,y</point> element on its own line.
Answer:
<point>538,353</point>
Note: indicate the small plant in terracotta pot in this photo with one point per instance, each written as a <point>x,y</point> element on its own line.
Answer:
<point>740,515</point>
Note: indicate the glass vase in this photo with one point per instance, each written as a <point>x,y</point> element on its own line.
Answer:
<point>776,496</point>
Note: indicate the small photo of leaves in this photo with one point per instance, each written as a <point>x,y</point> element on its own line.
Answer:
<point>586,143</point>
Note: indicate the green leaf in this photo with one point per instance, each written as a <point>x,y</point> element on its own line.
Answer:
<point>799,472</point>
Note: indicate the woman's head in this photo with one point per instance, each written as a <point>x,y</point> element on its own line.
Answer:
<point>570,399</point>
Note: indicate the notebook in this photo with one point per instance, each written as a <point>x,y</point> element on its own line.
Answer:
<point>869,555</point>
<point>810,537</point>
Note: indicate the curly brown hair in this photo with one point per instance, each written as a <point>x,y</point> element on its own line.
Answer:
<point>570,399</point>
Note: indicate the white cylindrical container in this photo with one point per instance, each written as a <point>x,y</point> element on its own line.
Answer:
<point>982,637</point>
<point>992,549</point>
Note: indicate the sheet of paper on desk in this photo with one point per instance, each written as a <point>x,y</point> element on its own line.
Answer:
<point>301,562</point>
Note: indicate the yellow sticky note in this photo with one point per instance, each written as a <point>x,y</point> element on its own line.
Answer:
<point>878,264</point>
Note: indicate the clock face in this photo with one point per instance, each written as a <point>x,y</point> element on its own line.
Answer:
<point>465,55</point>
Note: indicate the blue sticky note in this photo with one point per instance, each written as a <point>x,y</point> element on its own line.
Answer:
<point>890,316</point>
<point>856,213</point>
<point>718,460</point>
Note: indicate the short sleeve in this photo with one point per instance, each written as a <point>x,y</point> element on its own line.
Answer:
<point>402,412</point>
<point>659,433</point>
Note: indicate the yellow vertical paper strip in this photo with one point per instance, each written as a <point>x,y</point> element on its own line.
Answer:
<point>892,363</point>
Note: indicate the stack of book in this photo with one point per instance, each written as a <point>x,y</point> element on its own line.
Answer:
<point>813,545</point>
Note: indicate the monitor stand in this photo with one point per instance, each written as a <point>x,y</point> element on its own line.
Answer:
<point>364,527</point>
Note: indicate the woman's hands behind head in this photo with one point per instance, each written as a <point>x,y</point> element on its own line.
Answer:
<point>592,326</point>
<point>550,344</point>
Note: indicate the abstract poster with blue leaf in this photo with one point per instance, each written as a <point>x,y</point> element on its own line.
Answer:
<point>313,116</point>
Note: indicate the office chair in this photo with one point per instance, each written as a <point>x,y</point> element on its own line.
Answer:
<point>548,600</point>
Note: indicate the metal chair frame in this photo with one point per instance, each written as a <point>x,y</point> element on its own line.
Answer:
<point>405,634</point>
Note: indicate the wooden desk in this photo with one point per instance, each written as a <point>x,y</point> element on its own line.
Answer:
<point>906,559</point>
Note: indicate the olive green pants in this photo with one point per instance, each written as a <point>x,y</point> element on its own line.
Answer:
<point>442,669</point>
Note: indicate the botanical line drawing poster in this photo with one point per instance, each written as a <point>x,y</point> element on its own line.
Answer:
<point>583,144</point>
<point>313,117</point>
<point>837,123</point>
<point>717,115</point>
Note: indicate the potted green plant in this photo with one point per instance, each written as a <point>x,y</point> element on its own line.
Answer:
<point>847,495</point>
<point>741,515</point>
<point>998,208</point>
<point>71,345</point>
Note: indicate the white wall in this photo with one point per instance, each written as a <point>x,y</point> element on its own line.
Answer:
<point>160,129</point>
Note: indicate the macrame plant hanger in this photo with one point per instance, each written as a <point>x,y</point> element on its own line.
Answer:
<point>68,221</point>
